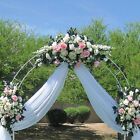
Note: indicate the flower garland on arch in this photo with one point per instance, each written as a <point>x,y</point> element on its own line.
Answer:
<point>72,48</point>
<point>11,106</point>
<point>128,111</point>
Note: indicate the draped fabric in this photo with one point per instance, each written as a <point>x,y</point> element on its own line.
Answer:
<point>100,100</point>
<point>39,104</point>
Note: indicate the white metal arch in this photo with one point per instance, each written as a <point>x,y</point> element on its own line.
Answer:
<point>30,65</point>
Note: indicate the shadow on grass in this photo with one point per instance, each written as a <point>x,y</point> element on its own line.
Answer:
<point>65,132</point>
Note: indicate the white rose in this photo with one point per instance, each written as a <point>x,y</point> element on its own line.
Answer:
<point>48,56</point>
<point>15,104</point>
<point>72,55</point>
<point>88,44</point>
<point>77,39</point>
<point>126,102</point>
<point>66,38</point>
<point>7,106</point>
<point>71,46</point>
<point>54,44</point>
<point>5,99</point>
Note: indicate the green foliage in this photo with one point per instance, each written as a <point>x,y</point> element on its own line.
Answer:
<point>56,117</point>
<point>72,114</point>
<point>83,113</point>
<point>17,45</point>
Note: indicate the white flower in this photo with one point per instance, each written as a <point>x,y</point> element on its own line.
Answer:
<point>96,51</point>
<point>90,49</point>
<point>5,99</point>
<point>72,55</point>
<point>78,50</point>
<point>39,64</point>
<point>77,39</point>
<point>125,102</point>
<point>131,93</point>
<point>14,90</point>
<point>89,45</point>
<point>64,52</point>
<point>7,106</point>
<point>54,44</point>
<point>136,103</point>
<point>95,46</point>
<point>71,46</point>
<point>3,121</point>
<point>66,38</point>
<point>136,90</point>
<point>48,56</point>
<point>85,38</point>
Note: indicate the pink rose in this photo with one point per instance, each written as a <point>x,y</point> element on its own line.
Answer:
<point>56,62</point>
<point>81,45</point>
<point>18,117</point>
<point>63,45</point>
<point>96,63</point>
<point>129,98</point>
<point>57,48</point>
<point>85,53</point>
<point>137,121</point>
<point>121,111</point>
<point>14,98</point>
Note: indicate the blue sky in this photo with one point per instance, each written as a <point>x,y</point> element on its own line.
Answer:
<point>53,16</point>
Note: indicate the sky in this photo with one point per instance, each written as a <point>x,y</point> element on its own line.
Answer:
<point>52,16</point>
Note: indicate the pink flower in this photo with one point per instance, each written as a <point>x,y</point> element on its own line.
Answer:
<point>85,53</point>
<point>57,48</point>
<point>18,117</point>
<point>96,63</point>
<point>14,98</point>
<point>81,45</point>
<point>129,98</point>
<point>121,111</point>
<point>63,45</point>
<point>56,62</point>
<point>137,121</point>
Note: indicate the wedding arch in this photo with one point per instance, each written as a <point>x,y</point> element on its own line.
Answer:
<point>70,51</point>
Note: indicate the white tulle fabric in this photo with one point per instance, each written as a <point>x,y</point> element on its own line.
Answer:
<point>39,104</point>
<point>100,100</point>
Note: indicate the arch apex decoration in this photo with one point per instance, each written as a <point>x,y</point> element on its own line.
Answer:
<point>74,51</point>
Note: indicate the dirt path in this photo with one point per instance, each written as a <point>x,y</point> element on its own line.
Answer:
<point>94,131</point>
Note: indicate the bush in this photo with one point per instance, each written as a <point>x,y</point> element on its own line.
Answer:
<point>72,114</point>
<point>57,117</point>
<point>83,113</point>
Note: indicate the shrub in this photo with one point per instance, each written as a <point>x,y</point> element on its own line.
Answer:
<point>57,117</point>
<point>72,114</point>
<point>83,113</point>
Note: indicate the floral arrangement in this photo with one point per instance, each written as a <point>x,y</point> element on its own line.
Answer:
<point>11,106</point>
<point>72,48</point>
<point>128,111</point>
